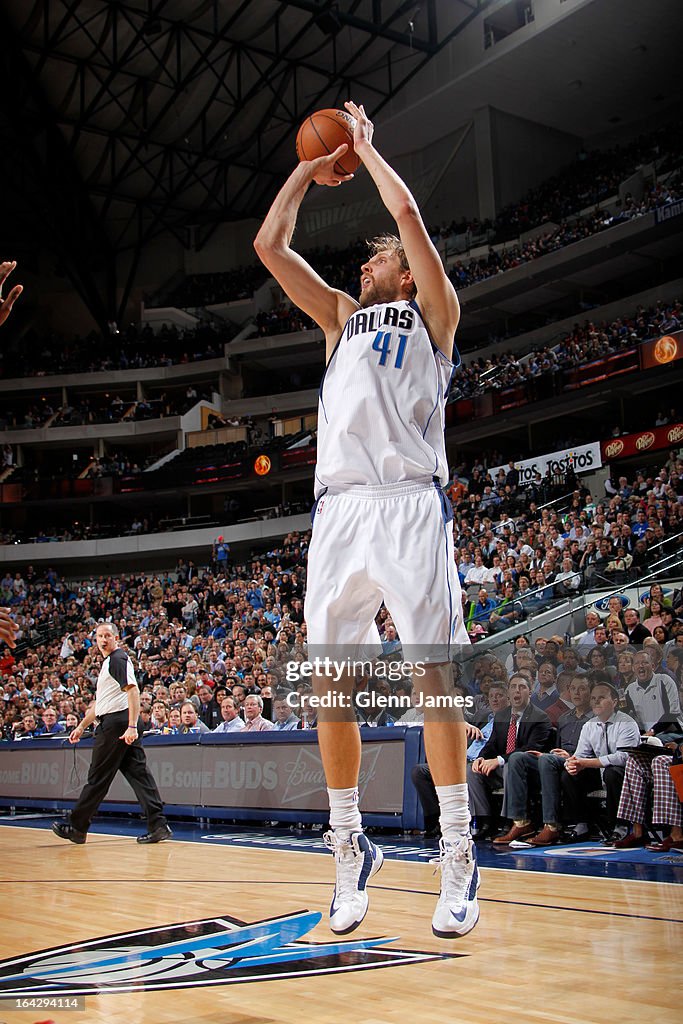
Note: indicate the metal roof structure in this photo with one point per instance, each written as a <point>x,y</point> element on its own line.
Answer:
<point>124,120</point>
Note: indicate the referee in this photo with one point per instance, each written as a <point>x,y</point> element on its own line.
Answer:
<point>116,747</point>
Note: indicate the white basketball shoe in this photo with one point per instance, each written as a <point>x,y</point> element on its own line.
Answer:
<point>357,860</point>
<point>457,911</point>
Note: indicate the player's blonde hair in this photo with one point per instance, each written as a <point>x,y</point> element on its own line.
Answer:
<point>392,244</point>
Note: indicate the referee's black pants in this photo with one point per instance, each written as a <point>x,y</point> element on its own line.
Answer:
<point>111,754</point>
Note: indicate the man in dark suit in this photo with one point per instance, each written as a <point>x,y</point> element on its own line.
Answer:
<point>522,726</point>
<point>635,630</point>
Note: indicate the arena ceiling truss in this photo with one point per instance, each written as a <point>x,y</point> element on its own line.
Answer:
<point>131,118</point>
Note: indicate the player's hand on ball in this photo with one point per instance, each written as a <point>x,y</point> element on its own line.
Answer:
<point>364,129</point>
<point>323,168</point>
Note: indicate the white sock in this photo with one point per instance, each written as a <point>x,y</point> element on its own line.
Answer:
<point>344,811</point>
<point>455,811</point>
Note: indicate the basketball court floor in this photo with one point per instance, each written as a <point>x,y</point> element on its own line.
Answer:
<point>224,925</point>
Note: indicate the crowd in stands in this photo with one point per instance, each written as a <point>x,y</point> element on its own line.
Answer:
<point>217,649</point>
<point>211,289</point>
<point>499,261</point>
<point>583,344</point>
<point>283,319</point>
<point>592,178</point>
<point>106,408</point>
<point>134,348</point>
<point>587,181</point>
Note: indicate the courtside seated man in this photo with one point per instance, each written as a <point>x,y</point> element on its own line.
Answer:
<point>382,528</point>
<point>116,747</point>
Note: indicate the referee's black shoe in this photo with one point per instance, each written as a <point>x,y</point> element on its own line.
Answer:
<point>66,831</point>
<point>157,836</point>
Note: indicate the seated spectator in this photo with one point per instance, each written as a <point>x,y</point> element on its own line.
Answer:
<point>209,712</point>
<point>479,611</point>
<point>189,722</point>
<point>598,662</point>
<point>598,758</point>
<point>645,776</point>
<point>587,638</point>
<point>625,674</point>
<point>533,769</point>
<point>50,726</point>
<point>231,717</point>
<point>308,716</point>
<point>497,700</point>
<point>285,719</point>
<point>567,582</point>
<point>508,613</point>
<point>652,699</point>
<point>653,618</point>
<point>546,695</point>
<point>519,727</point>
<point>634,628</point>
<point>478,573</point>
<point>254,720</point>
<point>26,728</point>
<point>159,718</point>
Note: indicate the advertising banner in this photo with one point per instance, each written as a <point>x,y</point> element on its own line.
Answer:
<point>585,458</point>
<point>670,436</point>
<point>660,351</point>
<point>288,776</point>
<point>664,213</point>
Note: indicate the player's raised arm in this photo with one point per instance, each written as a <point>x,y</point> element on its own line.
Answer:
<point>435,293</point>
<point>306,289</point>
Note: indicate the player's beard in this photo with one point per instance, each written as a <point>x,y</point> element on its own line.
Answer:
<point>376,293</point>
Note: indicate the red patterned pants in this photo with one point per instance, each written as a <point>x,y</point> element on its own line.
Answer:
<point>642,775</point>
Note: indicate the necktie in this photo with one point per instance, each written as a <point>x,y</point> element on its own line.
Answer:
<point>604,730</point>
<point>511,741</point>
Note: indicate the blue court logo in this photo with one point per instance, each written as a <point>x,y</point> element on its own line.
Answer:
<point>214,951</point>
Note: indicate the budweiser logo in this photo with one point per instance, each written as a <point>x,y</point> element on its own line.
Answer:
<point>645,441</point>
<point>675,434</point>
<point>613,449</point>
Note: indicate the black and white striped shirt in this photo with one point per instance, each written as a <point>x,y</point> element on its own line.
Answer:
<point>116,675</point>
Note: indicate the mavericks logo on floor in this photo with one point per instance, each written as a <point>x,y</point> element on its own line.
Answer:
<point>215,951</point>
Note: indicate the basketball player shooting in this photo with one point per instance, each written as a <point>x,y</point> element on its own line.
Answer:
<point>382,524</point>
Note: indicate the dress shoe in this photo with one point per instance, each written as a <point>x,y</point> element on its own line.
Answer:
<point>615,837</point>
<point>546,837</point>
<point>666,845</point>
<point>516,832</point>
<point>434,832</point>
<point>570,835</point>
<point>157,836</point>
<point>66,831</point>
<point>630,842</point>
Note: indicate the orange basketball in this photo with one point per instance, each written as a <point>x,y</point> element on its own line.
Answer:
<point>322,133</point>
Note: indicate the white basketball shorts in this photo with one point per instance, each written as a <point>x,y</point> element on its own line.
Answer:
<point>391,544</point>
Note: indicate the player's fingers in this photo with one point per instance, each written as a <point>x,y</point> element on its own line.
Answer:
<point>6,269</point>
<point>12,297</point>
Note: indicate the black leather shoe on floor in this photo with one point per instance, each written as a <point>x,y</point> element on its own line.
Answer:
<point>157,836</point>
<point>64,831</point>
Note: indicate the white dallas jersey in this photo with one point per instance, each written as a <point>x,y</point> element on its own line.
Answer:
<point>381,413</point>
